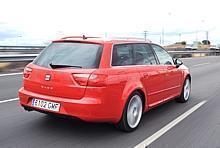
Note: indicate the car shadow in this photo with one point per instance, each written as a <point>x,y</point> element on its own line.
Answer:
<point>79,131</point>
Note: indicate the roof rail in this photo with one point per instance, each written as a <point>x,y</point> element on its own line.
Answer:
<point>128,38</point>
<point>131,38</point>
<point>81,37</point>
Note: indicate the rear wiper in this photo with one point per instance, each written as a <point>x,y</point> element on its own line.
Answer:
<point>54,66</point>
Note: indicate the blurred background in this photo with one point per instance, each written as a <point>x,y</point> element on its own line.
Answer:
<point>27,26</point>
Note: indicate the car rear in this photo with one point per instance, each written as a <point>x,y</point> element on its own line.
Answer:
<point>66,79</point>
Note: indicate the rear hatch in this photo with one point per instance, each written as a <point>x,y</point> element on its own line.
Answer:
<point>63,69</point>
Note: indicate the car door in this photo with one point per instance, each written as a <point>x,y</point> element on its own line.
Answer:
<point>123,74</point>
<point>152,74</point>
<point>173,76</point>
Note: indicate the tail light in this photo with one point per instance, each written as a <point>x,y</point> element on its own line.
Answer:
<point>27,72</point>
<point>97,80</point>
<point>81,79</point>
<point>90,79</point>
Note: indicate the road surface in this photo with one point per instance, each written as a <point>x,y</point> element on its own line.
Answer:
<point>200,129</point>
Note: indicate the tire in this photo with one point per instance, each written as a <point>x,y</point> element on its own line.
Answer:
<point>185,94</point>
<point>132,113</point>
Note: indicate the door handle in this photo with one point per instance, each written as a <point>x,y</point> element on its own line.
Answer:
<point>121,72</point>
<point>170,67</point>
<point>146,75</point>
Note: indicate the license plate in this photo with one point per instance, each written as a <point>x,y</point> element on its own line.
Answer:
<point>53,106</point>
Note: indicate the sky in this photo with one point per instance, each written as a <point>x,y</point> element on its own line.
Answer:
<point>37,22</point>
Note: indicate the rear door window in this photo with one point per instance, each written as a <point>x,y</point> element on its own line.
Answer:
<point>143,55</point>
<point>73,54</point>
<point>122,55</point>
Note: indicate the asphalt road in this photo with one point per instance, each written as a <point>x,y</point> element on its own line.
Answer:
<point>201,129</point>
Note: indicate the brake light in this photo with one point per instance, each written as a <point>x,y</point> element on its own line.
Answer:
<point>81,78</point>
<point>27,72</point>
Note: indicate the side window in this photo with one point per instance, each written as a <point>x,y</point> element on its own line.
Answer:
<point>122,55</point>
<point>163,56</point>
<point>143,55</point>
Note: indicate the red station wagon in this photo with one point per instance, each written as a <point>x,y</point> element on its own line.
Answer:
<point>101,80</point>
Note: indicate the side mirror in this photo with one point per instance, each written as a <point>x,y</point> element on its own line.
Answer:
<point>177,62</point>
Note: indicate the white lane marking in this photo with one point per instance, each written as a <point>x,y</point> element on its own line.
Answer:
<point>9,100</point>
<point>166,128</point>
<point>200,64</point>
<point>11,74</point>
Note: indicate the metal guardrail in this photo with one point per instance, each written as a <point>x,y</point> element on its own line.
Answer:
<point>20,49</point>
<point>194,51</point>
<point>17,57</point>
<point>30,57</point>
<point>23,47</point>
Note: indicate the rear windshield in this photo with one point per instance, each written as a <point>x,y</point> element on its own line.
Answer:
<point>73,54</point>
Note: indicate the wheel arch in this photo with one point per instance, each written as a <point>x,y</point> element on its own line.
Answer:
<point>140,89</point>
<point>143,97</point>
<point>186,74</point>
<point>189,76</point>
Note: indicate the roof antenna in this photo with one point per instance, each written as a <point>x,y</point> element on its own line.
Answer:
<point>84,37</point>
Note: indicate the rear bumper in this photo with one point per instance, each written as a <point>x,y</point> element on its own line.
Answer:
<point>87,108</point>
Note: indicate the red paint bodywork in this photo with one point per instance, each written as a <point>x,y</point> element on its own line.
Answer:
<point>105,101</point>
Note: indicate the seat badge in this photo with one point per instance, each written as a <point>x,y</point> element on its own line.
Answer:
<point>47,77</point>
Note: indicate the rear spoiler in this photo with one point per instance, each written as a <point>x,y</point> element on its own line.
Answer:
<point>78,37</point>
